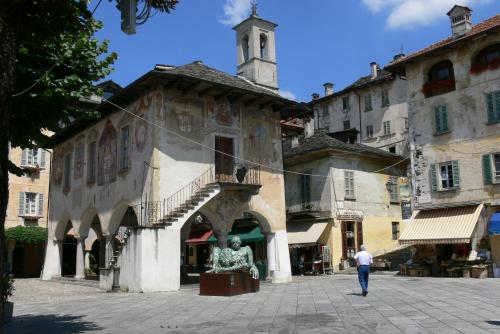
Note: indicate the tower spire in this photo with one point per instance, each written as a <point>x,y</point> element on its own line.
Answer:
<point>254,7</point>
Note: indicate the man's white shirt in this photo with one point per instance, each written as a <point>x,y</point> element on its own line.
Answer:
<point>364,258</point>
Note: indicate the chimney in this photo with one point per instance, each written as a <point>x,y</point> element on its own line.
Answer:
<point>398,57</point>
<point>460,18</point>
<point>328,88</point>
<point>374,69</point>
<point>315,96</point>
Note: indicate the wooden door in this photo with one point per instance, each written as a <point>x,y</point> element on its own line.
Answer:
<point>224,162</point>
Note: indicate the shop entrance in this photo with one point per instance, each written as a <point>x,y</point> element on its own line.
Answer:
<point>352,239</point>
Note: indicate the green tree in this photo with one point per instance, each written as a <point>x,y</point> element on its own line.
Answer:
<point>49,59</point>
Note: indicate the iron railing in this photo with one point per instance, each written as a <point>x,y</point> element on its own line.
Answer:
<point>186,198</point>
<point>303,206</point>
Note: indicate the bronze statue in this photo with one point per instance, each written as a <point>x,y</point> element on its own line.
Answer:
<point>236,258</point>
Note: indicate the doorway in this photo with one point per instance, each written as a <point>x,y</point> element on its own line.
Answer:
<point>224,161</point>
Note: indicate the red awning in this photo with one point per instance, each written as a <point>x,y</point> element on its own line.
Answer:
<point>198,237</point>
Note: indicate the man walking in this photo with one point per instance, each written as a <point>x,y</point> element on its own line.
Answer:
<point>363,262</point>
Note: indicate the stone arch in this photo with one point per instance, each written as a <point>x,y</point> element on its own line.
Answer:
<point>61,227</point>
<point>116,217</point>
<point>87,218</point>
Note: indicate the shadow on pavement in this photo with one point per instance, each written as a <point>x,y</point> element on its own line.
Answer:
<point>354,294</point>
<point>493,322</point>
<point>49,323</point>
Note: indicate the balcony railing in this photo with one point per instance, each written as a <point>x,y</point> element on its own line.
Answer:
<point>296,207</point>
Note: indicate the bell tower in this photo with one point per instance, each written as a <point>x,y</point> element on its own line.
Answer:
<point>256,50</point>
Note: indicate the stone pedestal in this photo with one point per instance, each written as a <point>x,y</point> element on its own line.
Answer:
<point>227,284</point>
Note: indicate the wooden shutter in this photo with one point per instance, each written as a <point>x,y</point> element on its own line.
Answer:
<point>40,205</point>
<point>444,118</point>
<point>487,171</point>
<point>22,198</point>
<point>24,155</point>
<point>434,181</point>
<point>490,103</point>
<point>359,234</point>
<point>41,154</point>
<point>456,174</point>
<point>437,119</point>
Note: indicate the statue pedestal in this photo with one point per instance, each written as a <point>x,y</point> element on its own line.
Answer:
<point>227,284</point>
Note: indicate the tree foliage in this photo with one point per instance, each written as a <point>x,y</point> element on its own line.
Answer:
<point>27,235</point>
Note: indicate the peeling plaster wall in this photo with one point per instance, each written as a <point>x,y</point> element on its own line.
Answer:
<point>470,136</point>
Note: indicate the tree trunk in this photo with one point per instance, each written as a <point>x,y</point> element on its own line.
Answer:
<point>8,51</point>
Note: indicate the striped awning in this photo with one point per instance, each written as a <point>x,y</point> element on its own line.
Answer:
<point>454,225</point>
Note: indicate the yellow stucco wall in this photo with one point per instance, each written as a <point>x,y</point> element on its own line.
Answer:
<point>377,234</point>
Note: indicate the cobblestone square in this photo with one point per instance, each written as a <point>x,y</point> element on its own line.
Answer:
<point>329,304</point>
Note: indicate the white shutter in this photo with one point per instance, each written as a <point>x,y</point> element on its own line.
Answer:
<point>41,154</point>
<point>23,157</point>
<point>21,203</point>
<point>40,205</point>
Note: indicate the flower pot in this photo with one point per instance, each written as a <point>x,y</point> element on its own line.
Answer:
<point>8,308</point>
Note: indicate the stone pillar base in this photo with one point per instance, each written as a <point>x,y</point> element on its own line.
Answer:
<point>106,277</point>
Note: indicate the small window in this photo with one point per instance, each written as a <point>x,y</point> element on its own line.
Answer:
<point>392,188</point>
<point>385,98</point>
<point>387,128</point>
<point>349,185</point>
<point>441,119</point>
<point>489,55</point>
<point>441,79</point>
<point>369,131</point>
<point>491,168</point>
<point>124,148</point>
<point>407,124</point>
<point>392,149</point>
<point>263,47</point>
<point>395,230</point>
<point>67,172</point>
<point>493,106</point>
<point>368,102</point>
<point>345,103</point>
<point>347,124</point>
<point>445,176</point>
<point>325,111</point>
<point>245,48</point>
<point>91,158</point>
<point>185,123</point>
<point>32,157</point>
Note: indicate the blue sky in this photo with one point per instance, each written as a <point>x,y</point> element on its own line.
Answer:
<point>316,40</point>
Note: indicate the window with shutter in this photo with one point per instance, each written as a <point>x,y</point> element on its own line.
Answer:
<point>305,188</point>
<point>393,189</point>
<point>434,182</point>
<point>487,170</point>
<point>493,106</point>
<point>369,131</point>
<point>30,204</point>
<point>368,102</point>
<point>349,185</point>
<point>21,203</point>
<point>345,103</point>
<point>441,119</point>
<point>387,127</point>
<point>385,98</point>
<point>24,157</point>
<point>42,155</point>
<point>447,177</point>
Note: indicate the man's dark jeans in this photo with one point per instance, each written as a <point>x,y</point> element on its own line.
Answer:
<point>363,273</point>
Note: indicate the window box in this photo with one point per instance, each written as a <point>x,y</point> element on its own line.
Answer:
<point>438,87</point>
<point>480,68</point>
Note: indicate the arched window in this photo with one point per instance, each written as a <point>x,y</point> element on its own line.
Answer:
<point>488,58</point>
<point>440,80</point>
<point>263,46</point>
<point>245,47</point>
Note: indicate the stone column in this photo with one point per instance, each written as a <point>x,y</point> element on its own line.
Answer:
<point>87,259</point>
<point>80,259</point>
<point>109,250</point>
<point>271,255</point>
<point>11,245</point>
<point>221,238</point>
<point>53,258</point>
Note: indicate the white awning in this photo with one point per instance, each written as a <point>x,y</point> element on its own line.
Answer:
<point>454,225</point>
<point>304,233</point>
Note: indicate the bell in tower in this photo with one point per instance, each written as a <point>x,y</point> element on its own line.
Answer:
<point>255,43</point>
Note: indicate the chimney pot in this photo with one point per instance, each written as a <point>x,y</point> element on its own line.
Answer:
<point>398,56</point>
<point>374,69</point>
<point>315,96</point>
<point>460,18</point>
<point>328,88</point>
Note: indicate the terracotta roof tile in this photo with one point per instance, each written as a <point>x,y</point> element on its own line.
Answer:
<point>476,29</point>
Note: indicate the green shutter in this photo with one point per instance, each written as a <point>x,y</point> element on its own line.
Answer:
<point>40,205</point>
<point>490,106</point>
<point>22,199</point>
<point>434,184</point>
<point>487,172</point>
<point>437,115</point>
<point>444,118</point>
<point>456,174</point>
<point>496,116</point>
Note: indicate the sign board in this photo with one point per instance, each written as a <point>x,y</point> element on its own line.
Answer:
<point>350,215</point>
<point>406,210</point>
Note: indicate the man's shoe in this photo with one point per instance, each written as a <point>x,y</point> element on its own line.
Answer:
<point>365,293</point>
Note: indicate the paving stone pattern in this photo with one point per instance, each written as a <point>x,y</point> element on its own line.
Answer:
<point>330,304</point>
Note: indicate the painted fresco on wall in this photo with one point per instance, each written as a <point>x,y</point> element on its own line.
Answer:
<point>262,140</point>
<point>57,167</point>
<point>223,114</point>
<point>107,156</point>
<point>141,132</point>
<point>184,116</point>
<point>79,160</point>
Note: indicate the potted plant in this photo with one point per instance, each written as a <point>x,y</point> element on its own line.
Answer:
<point>7,288</point>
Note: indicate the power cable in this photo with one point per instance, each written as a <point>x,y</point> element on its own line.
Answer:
<point>36,82</point>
